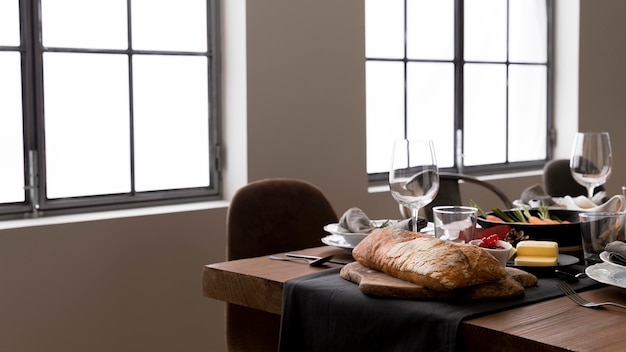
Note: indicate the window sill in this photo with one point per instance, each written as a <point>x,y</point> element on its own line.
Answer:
<point>113,214</point>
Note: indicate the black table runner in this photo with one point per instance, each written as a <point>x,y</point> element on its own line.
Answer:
<point>324,312</point>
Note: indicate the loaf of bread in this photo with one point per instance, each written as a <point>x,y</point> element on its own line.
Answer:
<point>427,261</point>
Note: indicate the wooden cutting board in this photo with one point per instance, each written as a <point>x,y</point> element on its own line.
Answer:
<point>376,283</point>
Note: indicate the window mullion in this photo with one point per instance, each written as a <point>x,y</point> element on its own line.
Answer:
<point>459,63</point>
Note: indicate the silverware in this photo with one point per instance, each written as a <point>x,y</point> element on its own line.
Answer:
<point>305,256</point>
<point>569,292</point>
<point>312,262</point>
<point>569,277</point>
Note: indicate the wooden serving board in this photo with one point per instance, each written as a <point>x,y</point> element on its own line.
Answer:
<point>376,283</point>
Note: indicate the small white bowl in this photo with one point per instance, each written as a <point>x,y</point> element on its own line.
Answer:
<point>501,254</point>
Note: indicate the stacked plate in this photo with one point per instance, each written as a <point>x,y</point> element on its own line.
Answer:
<point>608,272</point>
<point>349,240</point>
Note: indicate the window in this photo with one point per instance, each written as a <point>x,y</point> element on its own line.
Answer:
<point>107,104</point>
<point>473,75</point>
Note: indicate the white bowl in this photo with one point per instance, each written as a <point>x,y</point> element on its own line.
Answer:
<point>501,254</point>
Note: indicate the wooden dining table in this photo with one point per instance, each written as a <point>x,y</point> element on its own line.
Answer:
<point>552,325</point>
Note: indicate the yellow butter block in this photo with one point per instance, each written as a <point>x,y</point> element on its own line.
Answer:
<point>538,249</point>
<point>535,261</point>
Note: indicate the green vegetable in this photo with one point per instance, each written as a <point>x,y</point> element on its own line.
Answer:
<point>480,211</point>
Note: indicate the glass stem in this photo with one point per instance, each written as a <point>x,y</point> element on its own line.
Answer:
<point>590,191</point>
<point>415,219</point>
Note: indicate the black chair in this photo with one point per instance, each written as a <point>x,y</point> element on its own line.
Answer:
<point>450,193</point>
<point>558,181</point>
<point>266,217</point>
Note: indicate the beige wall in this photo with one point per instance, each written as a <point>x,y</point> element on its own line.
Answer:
<point>603,77</point>
<point>294,107</point>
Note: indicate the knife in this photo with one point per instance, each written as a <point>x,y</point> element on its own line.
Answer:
<point>304,256</point>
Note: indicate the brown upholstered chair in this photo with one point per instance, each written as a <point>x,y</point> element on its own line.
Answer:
<point>266,217</point>
<point>558,181</point>
<point>450,193</point>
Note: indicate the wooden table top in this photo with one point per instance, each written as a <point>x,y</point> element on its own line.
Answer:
<point>553,325</point>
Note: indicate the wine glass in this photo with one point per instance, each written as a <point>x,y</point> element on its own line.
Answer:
<point>591,159</point>
<point>414,177</point>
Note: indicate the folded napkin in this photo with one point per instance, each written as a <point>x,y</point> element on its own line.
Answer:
<point>535,195</point>
<point>354,220</point>
<point>617,252</point>
<point>582,203</point>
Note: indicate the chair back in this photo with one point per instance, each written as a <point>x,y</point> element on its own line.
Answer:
<point>267,217</point>
<point>558,181</point>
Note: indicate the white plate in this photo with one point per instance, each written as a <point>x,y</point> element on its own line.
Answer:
<point>608,273</point>
<point>337,241</point>
<point>335,230</point>
<point>605,258</point>
<point>349,238</point>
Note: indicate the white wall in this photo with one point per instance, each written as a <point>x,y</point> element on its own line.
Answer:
<point>294,107</point>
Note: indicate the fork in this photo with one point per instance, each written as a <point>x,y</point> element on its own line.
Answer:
<point>569,292</point>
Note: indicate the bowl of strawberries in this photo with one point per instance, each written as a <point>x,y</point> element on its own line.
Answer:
<point>499,249</point>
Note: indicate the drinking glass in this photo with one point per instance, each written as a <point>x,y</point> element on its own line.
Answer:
<point>414,177</point>
<point>591,159</point>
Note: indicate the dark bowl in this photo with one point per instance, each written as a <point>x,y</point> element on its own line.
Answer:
<point>566,235</point>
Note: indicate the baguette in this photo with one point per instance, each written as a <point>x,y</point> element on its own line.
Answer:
<point>427,261</point>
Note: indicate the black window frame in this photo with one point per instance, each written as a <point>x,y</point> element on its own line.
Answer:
<point>459,62</point>
<point>36,204</point>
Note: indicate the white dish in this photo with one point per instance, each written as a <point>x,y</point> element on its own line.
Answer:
<point>337,241</point>
<point>335,230</point>
<point>349,238</point>
<point>607,273</point>
<point>605,258</point>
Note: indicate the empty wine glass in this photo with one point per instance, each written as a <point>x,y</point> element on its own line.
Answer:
<point>414,177</point>
<point>591,159</point>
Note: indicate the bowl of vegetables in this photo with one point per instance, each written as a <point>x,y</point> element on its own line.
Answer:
<point>542,224</point>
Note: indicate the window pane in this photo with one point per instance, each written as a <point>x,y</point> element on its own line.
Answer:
<point>169,25</point>
<point>529,31</point>
<point>11,131</point>
<point>485,30</point>
<point>9,23</point>
<point>385,112</point>
<point>384,29</point>
<point>430,29</point>
<point>86,124</point>
<point>527,112</point>
<point>485,114</point>
<point>430,101</point>
<point>171,124</point>
<point>88,24</point>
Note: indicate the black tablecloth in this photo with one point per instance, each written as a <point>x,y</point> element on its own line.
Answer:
<point>323,312</point>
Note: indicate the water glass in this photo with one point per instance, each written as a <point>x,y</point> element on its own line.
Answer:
<point>597,229</point>
<point>455,223</point>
